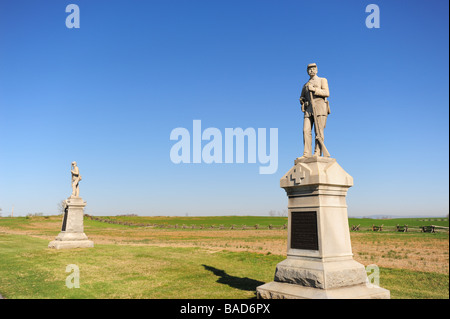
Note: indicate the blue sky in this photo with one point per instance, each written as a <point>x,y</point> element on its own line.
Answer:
<point>108,95</point>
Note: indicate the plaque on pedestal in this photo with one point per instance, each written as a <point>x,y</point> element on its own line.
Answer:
<point>319,261</point>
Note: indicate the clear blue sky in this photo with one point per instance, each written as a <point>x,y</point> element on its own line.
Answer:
<point>108,94</point>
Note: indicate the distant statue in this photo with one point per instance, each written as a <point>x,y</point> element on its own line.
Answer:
<point>316,108</point>
<point>76,178</point>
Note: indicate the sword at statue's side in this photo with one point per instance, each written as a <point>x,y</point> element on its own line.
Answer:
<point>319,136</point>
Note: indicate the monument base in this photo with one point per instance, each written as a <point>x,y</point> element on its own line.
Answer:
<point>68,244</point>
<point>72,231</point>
<point>321,274</point>
<point>306,278</point>
<point>319,263</point>
<point>280,290</point>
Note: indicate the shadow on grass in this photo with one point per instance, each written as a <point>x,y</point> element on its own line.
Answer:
<point>245,283</point>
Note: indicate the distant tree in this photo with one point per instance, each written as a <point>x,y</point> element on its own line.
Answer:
<point>34,215</point>
<point>61,206</point>
<point>0,212</point>
<point>283,213</point>
<point>280,213</point>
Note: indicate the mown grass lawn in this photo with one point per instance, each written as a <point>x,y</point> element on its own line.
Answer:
<point>28,269</point>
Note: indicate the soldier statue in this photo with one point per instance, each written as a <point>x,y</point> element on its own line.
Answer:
<point>316,108</point>
<point>76,178</point>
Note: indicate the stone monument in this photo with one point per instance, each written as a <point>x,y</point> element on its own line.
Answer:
<point>319,263</point>
<point>72,231</point>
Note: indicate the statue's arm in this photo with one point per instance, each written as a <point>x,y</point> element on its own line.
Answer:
<point>75,171</point>
<point>303,98</point>
<point>305,93</point>
<point>323,91</point>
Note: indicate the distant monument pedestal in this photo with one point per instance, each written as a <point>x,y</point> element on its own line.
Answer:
<point>319,262</point>
<point>72,232</point>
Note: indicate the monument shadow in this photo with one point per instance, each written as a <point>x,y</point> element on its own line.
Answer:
<point>242,283</point>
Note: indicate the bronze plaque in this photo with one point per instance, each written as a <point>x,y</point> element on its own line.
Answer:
<point>304,231</point>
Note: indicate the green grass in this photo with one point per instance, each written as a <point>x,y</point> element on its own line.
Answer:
<point>407,284</point>
<point>226,221</point>
<point>28,269</point>
<point>20,222</point>
<point>265,221</point>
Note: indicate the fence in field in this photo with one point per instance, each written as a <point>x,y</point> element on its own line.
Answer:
<point>176,226</point>
<point>401,228</point>
<point>375,228</point>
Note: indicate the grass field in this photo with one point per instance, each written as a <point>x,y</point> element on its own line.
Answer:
<point>208,221</point>
<point>414,224</point>
<point>146,262</point>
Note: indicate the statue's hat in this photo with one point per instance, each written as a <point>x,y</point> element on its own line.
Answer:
<point>311,65</point>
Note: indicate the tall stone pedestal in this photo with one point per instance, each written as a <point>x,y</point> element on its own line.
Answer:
<point>319,261</point>
<point>72,232</point>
